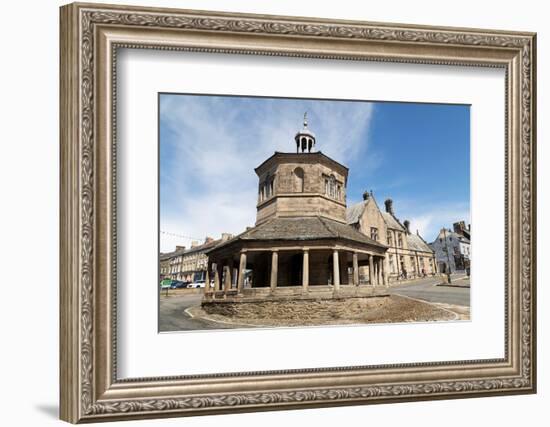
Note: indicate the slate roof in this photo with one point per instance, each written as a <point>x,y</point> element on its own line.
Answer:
<point>416,243</point>
<point>202,247</point>
<point>391,221</point>
<point>354,212</point>
<point>450,233</point>
<point>302,229</point>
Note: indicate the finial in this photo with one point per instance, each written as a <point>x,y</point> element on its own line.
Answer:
<point>305,119</point>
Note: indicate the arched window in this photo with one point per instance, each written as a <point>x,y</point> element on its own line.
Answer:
<point>299,180</point>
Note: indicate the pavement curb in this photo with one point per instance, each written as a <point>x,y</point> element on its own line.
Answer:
<point>453,286</point>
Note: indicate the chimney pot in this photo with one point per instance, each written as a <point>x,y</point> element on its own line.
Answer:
<point>389,206</point>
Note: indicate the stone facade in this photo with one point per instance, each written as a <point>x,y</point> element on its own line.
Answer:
<point>188,265</point>
<point>301,184</point>
<point>408,255</point>
<point>301,242</point>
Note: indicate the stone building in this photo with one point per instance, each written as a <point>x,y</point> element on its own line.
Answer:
<point>452,248</point>
<point>188,265</point>
<point>164,261</point>
<point>408,255</point>
<point>301,243</point>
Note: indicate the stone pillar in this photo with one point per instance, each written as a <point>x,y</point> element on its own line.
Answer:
<point>379,278</point>
<point>227,277</point>
<point>371,270</point>
<point>217,277</point>
<point>274,268</point>
<point>355,269</point>
<point>207,277</point>
<point>335,270</point>
<point>305,271</point>
<point>242,268</point>
<point>386,270</point>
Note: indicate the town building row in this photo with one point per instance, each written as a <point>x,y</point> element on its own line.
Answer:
<point>188,264</point>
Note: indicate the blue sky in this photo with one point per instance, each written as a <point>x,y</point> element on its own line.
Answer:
<point>417,154</point>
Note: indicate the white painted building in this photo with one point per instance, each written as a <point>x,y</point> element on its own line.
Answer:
<point>452,250</point>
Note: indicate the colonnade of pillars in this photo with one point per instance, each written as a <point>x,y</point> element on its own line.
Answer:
<point>225,271</point>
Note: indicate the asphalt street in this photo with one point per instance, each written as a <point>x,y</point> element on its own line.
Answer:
<point>174,318</point>
<point>428,290</point>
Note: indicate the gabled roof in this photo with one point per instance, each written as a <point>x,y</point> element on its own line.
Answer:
<point>415,242</point>
<point>450,233</point>
<point>354,212</point>
<point>392,222</point>
<point>302,229</point>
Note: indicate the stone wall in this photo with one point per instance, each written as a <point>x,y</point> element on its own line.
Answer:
<point>325,309</point>
<point>289,199</point>
<point>373,218</point>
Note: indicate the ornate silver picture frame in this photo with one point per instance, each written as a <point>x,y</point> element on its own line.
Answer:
<point>91,35</point>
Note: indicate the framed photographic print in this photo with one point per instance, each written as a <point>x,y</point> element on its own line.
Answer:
<point>266,212</point>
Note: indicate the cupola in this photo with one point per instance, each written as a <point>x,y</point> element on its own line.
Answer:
<point>305,139</point>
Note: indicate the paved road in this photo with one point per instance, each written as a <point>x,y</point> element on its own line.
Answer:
<point>174,318</point>
<point>428,291</point>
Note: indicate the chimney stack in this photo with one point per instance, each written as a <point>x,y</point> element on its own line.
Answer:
<point>459,227</point>
<point>389,206</point>
<point>407,224</point>
<point>180,248</point>
<point>226,236</point>
<point>208,239</point>
<point>366,195</point>
<point>194,244</point>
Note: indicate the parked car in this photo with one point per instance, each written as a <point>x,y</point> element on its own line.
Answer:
<point>178,284</point>
<point>196,284</point>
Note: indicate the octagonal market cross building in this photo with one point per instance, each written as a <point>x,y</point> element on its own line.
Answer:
<point>301,245</point>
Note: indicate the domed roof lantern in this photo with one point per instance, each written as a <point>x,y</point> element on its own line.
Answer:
<point>305,139</point>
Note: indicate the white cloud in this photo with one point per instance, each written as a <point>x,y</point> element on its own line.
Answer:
<point>429,219</point>
<point>217,142</point>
